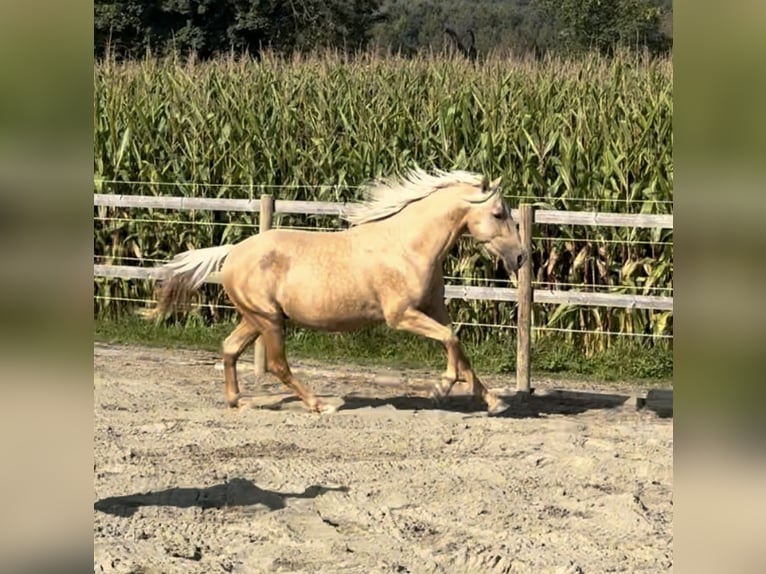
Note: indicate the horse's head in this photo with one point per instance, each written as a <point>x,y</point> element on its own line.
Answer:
<point>489,222</point>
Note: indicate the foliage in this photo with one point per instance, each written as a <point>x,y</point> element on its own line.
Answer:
<point>206,28</point>
<point>525,26</point>
<point>586,134</point>
<point>604,25</point>
<point>411,26</point>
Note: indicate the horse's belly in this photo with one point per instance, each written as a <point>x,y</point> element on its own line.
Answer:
<point>332,321</point>
<point>332,306</point>
<point>335,324</point>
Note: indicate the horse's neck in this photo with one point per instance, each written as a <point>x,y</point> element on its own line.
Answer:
<point>430,230</point>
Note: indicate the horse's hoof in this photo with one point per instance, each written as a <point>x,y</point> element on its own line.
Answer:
<point>437,397</point>
<point>498,408</point>
<point>327,409</point>
<point>233,402</point>
<point>441,390</point>
<point>324,408</point>
<point>439,394</point>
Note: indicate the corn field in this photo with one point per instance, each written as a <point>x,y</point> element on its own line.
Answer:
<point>590,134</point>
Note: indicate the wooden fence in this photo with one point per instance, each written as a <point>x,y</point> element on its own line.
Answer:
<point>524,294</point>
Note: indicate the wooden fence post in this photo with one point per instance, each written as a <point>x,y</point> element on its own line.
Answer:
<point>524,332</point>
<point>264,224</point>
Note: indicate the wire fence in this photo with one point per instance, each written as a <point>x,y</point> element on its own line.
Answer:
<point>281,223</point>
<point>295,220</point>
<point>454,279</point>
<point>150,302</point>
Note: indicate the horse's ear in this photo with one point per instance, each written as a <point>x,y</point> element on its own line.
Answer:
<point>495,183</point>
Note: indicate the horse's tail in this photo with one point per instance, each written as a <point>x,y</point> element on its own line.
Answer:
<point>183,275</point>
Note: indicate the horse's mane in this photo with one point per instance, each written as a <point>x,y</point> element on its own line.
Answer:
<point>387,197</point>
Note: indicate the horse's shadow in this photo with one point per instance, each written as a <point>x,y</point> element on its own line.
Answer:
<point>235,492</point>
<point>520,405</point>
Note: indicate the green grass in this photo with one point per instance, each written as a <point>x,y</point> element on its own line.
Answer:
<point>495,354</point>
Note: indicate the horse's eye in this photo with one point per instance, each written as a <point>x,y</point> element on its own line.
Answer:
<point>499,215</point>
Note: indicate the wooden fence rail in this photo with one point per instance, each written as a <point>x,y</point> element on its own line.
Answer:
<point>267,207</point>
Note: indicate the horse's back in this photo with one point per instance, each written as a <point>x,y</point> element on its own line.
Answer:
<point>278,250</point>
<point>272,254</point>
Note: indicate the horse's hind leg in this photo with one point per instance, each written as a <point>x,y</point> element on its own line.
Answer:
<point>244,334</point>
<point>276,362</point>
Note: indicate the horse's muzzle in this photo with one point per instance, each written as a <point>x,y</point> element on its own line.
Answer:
<point>515,262</point>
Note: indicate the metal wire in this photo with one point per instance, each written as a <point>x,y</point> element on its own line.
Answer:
<point>175,221</point>
<point>478,279</point>
<point>153,301</point>
<point>234,185</point>
<point>562,330</point>
<point>550,284</point>
<point>211,223</point>
<point>280,225</point>
<point>597,332</point>
<point>129,258</point>
<point>553,199</point>
<point>605,241</point>
<point>308,228</point>
<point>487,325</point>
<point>466,280</point>
<point>454,324</point>
<point>337,186</point>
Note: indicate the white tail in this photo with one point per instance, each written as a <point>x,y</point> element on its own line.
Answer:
<point>195,265</point>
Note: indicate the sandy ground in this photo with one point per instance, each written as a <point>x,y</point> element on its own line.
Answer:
<point>389,483</point>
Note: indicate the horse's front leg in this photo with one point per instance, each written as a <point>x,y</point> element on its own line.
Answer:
<point>420,323</point>
<point>443,387</point>
<point>495,405</point>
<point>437,311</point>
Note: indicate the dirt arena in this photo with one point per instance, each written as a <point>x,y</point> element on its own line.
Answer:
<point>575,483</point>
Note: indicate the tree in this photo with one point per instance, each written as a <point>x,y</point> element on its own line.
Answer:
<point>604,25</point>
<point>210,27</point>
<point>410,26</point>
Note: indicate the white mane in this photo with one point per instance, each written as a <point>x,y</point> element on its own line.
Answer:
<point>389,196</point>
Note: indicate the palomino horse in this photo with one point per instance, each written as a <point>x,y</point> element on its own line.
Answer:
<point>387,267</point>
